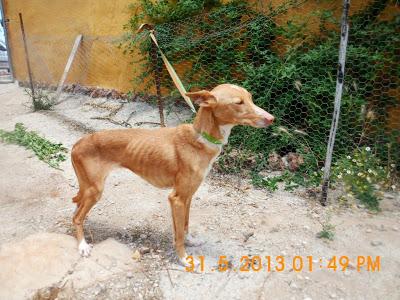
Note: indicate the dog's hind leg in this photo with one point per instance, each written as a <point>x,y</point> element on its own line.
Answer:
<point>91,175</point>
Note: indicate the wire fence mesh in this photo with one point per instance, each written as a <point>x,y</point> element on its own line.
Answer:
<point>291,71</point>
<point>90,73</point>
<point>289,66</point>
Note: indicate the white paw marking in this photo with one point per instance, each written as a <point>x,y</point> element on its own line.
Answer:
<point>191,241</point>
<point>187,261</point>
<point>84,248</point>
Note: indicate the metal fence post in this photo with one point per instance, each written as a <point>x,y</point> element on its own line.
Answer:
<point>28,64</point>
<point>338,97</point>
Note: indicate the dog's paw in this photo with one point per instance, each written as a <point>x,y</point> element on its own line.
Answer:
<point>189,261</point>
<point>84,248</point>
<point>191,241</point>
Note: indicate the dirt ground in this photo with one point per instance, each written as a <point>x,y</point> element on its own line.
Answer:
<point>131,230</point>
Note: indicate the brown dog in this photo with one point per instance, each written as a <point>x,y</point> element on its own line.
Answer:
<point>178,158</point>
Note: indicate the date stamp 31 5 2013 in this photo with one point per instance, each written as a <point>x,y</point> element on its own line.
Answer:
<point>279,263</point>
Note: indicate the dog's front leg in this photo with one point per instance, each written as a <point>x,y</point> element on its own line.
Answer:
<point>190,240</point>
<point>180,204</point>
<point>178,208</point>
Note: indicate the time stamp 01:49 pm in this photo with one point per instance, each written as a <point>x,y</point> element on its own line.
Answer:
<point>279,263</point>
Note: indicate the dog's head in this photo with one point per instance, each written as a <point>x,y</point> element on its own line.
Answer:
<point>233,105</point>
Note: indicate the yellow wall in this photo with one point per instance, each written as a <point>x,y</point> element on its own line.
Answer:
<point>51,27</point>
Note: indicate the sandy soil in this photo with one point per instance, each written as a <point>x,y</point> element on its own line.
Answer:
<point>231,217</point>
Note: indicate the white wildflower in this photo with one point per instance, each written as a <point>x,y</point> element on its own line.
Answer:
<point>393,187</point>
<point>348,156</point>
<point>348,172</point>
<point>369,171</point>
<point>368,149</point>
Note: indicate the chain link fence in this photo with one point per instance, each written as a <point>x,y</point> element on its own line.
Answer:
<point>93,61</point>
<point>291,69</point>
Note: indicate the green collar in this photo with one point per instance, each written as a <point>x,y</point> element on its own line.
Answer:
<point>210,138</point>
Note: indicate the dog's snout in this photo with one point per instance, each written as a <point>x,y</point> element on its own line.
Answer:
<point>267,118</point>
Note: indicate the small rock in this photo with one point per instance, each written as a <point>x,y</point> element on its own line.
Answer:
<point>143,236</point>
<point>293,285</point>
<point>274,229</point>
<point>394,228</point>
<point>368,230</point>
<point>247,236</point>
<point>307,298</point>
<point>136,255</point>
<point>129,275</point>
<point>144,250</point>
<point>333,296</point>
<point>376,243</point>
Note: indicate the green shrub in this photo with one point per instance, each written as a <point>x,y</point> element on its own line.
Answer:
<point>363,176</point>
<point>295,80</point>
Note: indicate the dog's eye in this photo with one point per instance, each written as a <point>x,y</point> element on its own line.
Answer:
<point>239,102</point>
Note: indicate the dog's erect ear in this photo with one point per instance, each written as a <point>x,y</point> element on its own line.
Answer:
<point>203,98</point>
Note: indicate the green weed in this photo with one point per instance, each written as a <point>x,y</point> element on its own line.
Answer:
<point>49,152</point>
<point>40,100</point>
<point>363,176</point>
<point>327,232</point>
